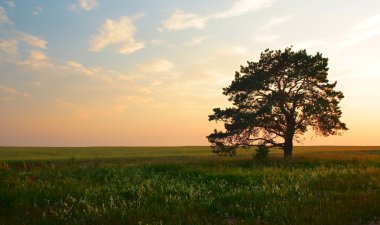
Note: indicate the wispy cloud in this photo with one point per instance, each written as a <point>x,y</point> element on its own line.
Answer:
<point>38,56</point>
<point>88,4</point>
<point>356,38</point>
<point>233,50</point>
<point>274,22</point>
<point>120,33</point>
<point>38,63</point>
<point>264,34</point>
<point>8,50</point>
<point>73,8</point>
<point>157,42</point>
<point>266,38</point>
<point>183,20</point>
<point>37,10</point>
<point>32,40</point>
<point>369,22</point>
<point>65,104</point>
<point>242,7</point>
<point>9,93</point>
<point>364,30</point>
<point>11,40</point>
<point>37,60</point>
<point>159,65</point>
<point>21,36</point>
<point>361,32</point>
<point>80,68</point>
<point>96,73</point>
<point>3,16</point>
<point>196,41</point>
<point>311,44</point>
<point>128,99</point>
<point>11,4</point>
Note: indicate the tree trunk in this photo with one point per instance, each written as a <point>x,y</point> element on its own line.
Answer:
<point>288,148</point>
<point>288,145</point>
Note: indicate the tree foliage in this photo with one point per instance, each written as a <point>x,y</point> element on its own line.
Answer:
<point>276,100</point>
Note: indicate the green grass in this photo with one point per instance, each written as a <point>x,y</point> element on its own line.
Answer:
<point>63,153</point>
<point>57,153</point>
<point>188,185</point>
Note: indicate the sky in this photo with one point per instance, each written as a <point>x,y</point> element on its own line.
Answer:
<point>148,73</point>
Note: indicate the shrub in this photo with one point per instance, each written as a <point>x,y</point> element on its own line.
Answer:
<point>262,152</point>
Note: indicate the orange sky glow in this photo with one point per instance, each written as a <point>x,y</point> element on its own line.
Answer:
<point>149,74</point>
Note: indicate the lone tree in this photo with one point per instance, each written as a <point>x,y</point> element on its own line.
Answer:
<point>277,99</point>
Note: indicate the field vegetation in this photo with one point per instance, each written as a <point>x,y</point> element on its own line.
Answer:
<point>188,185</point>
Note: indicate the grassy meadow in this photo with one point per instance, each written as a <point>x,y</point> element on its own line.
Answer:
<point>188,185</point>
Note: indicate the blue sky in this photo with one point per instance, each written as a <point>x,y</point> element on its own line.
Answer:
<point>91,72</point>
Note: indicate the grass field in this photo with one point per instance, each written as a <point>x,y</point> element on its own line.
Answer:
<point>188,185</point>
<point>62,153</point>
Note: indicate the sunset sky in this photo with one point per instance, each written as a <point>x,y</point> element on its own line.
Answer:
<point>132,73</point>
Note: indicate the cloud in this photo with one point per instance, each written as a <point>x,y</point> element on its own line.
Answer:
<point>37,10</point>
<point>8,50</point>
<point>20,36</point>
<point>182,20</point>
<point>266,38</point>
<point>38,56</point>
<point>12,40</point>
<point>364,30</point>
<point>32,40</point>
<point>88,4</point>
<point>134,99</point>
<point>10,4</point>
<point>8,93</point>
<point>196,41</point>
<point>120,33</point>
<point>263,33</point>
<point>234,50</point>
<point>157,42</point>
<point>103,74</point>
<point>65,104</point>
<point>357,38</point>
<point>37,60</point>
<point>155,66</point>
<point>242,7</point>
<point>274,22</point>
<point>80,68</point>
<point>369,22</point>
<point>73,8</point>
<point>239,50</point>
<point>311,44</point>
<point>3,16</point>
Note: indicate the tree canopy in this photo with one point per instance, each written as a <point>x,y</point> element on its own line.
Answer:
<point>276,100</point>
